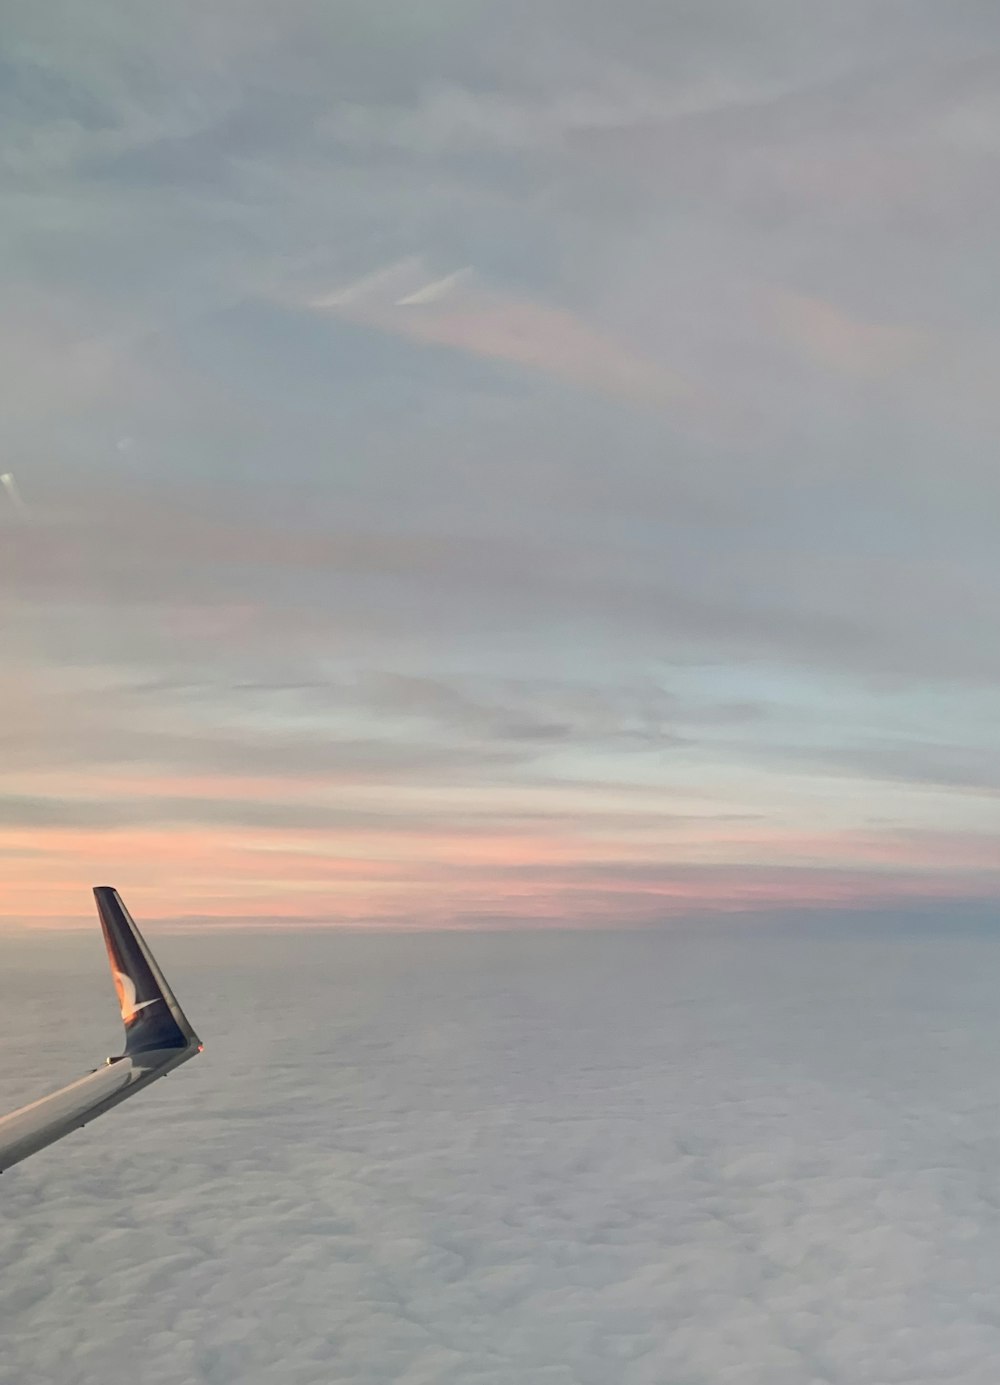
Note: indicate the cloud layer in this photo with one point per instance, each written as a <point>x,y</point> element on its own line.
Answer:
<point>714,1156</point>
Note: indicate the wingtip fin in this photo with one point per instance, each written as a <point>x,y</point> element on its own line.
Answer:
<point>152,1017</point>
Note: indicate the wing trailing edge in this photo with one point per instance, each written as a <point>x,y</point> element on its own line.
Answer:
<point>158,1038</point>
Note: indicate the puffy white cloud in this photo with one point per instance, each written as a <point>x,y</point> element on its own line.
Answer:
<point>723,1156</point>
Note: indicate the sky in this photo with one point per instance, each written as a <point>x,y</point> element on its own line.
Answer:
<point>499,464</point>
<point>716,1156</point>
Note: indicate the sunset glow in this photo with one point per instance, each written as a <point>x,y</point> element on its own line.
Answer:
<point>510,498</point>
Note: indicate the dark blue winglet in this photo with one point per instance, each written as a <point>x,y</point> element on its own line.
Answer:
<point>152,1018</point>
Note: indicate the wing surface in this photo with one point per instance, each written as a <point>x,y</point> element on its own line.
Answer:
<point>158,1038</point>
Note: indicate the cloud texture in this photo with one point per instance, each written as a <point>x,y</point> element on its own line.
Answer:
<point>453,420</point>
<point>723,1156</point>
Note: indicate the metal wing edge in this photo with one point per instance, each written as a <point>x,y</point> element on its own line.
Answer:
<point>30,1128</point>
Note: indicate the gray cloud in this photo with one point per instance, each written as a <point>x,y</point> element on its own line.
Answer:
<point>740,1154</point>
<point>673,587</point>
<point>922,764</point>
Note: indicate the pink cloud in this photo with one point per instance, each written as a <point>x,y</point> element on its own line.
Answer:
<point>446,876</point>
<point>845,342</point>
<point>464,313</point>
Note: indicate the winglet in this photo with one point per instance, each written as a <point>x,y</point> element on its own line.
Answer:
<point>152,1017</point>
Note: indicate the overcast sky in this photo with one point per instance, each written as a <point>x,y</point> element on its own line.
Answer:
<point>499,462</point>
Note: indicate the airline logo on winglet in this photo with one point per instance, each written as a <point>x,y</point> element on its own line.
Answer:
<point>125,987</point>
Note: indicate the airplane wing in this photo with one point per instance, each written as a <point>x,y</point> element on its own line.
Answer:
<point>158,1038</point>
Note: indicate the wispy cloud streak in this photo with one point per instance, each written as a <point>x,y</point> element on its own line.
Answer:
<point>463,479</point>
